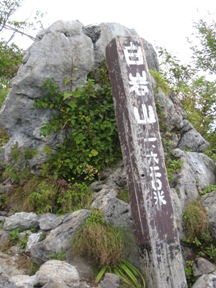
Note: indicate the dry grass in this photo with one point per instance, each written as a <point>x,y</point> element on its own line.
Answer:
<point>196,221</point>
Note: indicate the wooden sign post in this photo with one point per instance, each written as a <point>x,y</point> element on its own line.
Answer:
<point>143,156</point>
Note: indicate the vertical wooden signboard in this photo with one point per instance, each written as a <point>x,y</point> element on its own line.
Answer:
<point>143,155</point>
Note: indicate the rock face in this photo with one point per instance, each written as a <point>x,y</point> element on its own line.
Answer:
<point>64,50</point>
<point>59,239</point>
<point>21,220</point>
<point>209,201</point>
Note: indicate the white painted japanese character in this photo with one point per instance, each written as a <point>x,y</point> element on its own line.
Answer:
<point>156,183</point>
<point>133,54</point>
<point>153,157</point>
<point>154,174</point>
<point>139,84</point>
<point>159,198</point>
<point>148,114</point>
<point>150,139</point>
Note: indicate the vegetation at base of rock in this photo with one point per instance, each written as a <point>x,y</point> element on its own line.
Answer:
<point>4,137</point>
<point>130,276</point>
<point>106,246</point>
<point>43,195</point>
<point>86,115</point>
<point>58,256</point>
<point>99,241</point>
<point>173,166</point>
<point>197,237</point>
<point>18,168</point>
<point>195,219</point>
<point>189,273</point>
<point>197,231</point>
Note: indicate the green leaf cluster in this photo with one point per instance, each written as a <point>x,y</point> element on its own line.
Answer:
<point>128,273</point>
<point>86,115</point>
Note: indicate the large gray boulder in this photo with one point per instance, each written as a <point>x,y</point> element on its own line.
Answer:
<point>57,50</point>
<point>206,280</point>
<point>55,53</point>
<point>59,239</point>
<point>197,173</point>
<point>21,220</point>
<point>58,272</point>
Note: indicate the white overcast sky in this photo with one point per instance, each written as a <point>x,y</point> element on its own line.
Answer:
<point>165,23</point>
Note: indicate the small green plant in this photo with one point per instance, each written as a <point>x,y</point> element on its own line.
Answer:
<point>32,268</point>
<point>210,251</point>
<point>15,237</point>
<point>189,273</point>
<point>77,196</point>
<point>127,272</point>
<point>105,245</point>
<point>123,195</point>
<point>3,200</point>
<point>58,256</point>
<point>208,189</point>
<point>3,94</point>
<point>23,240</point>
<point>4,137</point>
<point>42,236</point>
<point>173,166</point>
<point>14,234</point>
<point>12,173</point>
<point>160,81</point>
<point>42,197</point>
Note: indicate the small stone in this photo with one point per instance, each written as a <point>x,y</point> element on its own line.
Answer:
<point>202,266</point>
<point>110,281</point>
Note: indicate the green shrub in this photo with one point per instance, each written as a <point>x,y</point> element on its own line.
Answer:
<point>42,196</point>
<point>77,196</point>
<point>87,117</point>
